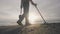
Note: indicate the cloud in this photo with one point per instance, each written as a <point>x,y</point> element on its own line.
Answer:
<point>9,9</point>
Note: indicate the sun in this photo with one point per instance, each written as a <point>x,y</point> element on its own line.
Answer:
<point>32,18</point>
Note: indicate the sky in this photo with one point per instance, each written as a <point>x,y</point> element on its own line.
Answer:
<point>9,11</point>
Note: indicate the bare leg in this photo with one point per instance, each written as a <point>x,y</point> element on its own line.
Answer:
<point>21,17</point>
<point>26,14</point>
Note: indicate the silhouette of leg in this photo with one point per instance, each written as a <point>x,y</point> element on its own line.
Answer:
<point>26,12</point>
<point>21,17</point>
<point>27,20</point>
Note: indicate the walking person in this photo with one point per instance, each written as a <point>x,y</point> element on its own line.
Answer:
<point>25,6</point>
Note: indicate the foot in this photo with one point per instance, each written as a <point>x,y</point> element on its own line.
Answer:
<point>27,24</point>
<point>19,23</point>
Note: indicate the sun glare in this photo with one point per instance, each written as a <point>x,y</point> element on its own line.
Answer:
<point>32,18</point>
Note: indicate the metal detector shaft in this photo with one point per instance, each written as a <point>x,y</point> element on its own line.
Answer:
<point>40,14</point>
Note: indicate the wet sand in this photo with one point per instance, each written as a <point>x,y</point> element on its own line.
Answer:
<point>48,28</point>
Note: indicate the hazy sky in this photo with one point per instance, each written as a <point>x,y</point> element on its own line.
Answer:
<point>9,10</point>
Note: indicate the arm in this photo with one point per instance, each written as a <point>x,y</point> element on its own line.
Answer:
<point>21,4</point>
<point>33,3</point>
<point>21,7</point>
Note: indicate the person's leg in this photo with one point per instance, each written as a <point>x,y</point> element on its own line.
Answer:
<point>26,14</point>
<point>21,17</point>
